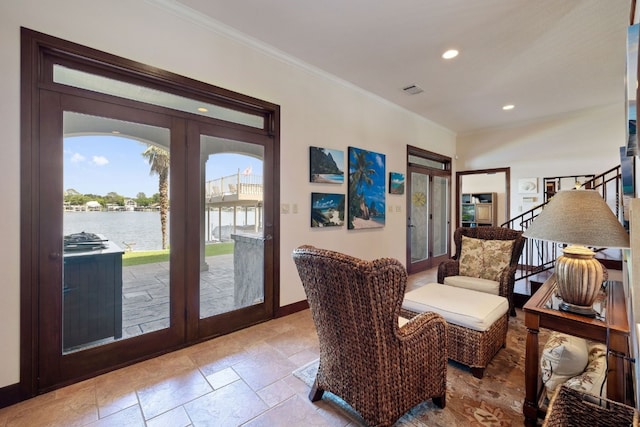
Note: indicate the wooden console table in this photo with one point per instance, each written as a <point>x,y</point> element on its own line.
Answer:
<point>541,311</point>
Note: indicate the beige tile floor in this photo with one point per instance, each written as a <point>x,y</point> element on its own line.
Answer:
<point>241,379</point>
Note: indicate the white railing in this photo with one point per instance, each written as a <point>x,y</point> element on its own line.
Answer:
<point>236,184</point>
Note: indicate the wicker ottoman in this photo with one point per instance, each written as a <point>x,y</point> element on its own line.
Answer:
<point>476,321</point>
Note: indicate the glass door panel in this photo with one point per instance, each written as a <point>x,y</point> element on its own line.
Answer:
<point>107,278</point>
<point>232,226</point>
<point>428,220</point>
<point>115,227</point>
<point>419,218</point>
<point>440,208</point>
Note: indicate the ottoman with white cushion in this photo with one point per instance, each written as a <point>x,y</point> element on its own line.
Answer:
<point>476,321</point>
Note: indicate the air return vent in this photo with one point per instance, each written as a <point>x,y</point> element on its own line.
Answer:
<point>413,89</point>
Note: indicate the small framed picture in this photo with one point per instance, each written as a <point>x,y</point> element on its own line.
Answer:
<point>326,165</point>
<point>327,210</point>
<point>527,185</point>
<point>396,183</point>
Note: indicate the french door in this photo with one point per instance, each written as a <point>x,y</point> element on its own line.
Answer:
<point>428,212</point>
<point>84,289</point>
<point>233,290</point>
<point>116,270</point>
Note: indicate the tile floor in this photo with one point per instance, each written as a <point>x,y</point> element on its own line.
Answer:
<point>241,379</point>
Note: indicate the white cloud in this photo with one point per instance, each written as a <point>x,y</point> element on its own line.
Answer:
<point>77,158</point>
<point>99,160</point>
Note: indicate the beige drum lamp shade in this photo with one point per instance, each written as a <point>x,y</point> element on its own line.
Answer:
<point>583,220</point>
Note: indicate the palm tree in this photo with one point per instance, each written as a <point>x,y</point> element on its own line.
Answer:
<point>360,177</point>
<point>159,161</point>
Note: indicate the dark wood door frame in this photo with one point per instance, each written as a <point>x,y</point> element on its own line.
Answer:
<point>38,54</point>
<point>436,160</point>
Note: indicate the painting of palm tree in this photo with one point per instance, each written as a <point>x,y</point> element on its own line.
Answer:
<point>366,192</point>
<point>158,159</point>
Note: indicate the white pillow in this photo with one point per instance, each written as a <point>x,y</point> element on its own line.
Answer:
<point>593,380</point>
<point>563,356</point>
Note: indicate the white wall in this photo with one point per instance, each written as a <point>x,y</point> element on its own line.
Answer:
<point>580,143</point>
<point>316,110</point>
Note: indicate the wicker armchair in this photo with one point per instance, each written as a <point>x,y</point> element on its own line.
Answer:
<point>451,267</point>
<point>380,369</point>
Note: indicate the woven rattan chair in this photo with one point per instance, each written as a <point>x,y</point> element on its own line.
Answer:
<point>451,267</point>
<point>380,369</point>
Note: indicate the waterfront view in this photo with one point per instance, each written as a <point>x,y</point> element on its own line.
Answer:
<point>140,231</point>
<point>118,189</point>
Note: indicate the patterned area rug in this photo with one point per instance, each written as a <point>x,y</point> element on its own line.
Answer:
<point>495,400</point>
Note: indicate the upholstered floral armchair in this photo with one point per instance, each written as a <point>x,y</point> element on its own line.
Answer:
<point>486,260</point>
<point>379,368</point>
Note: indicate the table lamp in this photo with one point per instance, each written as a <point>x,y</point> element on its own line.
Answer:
<point>581,219</point>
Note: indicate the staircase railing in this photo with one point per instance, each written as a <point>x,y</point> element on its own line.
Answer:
<point>538,255</point>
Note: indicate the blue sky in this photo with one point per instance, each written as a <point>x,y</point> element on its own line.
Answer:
<point>338,157</point>
<point>326,200</point>
<point>102,164</point>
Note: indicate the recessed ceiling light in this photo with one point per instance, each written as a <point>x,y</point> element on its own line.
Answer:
<point>203,110</point>
<point>451,53</point>
<point>508,107</point>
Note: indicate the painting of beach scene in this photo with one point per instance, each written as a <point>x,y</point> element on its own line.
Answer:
<point>366,191</point>
<point>327,210</point>
<point>326,165</point>
<point>396,183</point>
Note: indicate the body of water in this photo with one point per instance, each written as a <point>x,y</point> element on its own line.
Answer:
<point>141,230</point>
<point>328,178</point>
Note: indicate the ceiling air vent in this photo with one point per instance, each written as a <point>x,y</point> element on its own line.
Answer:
<point>413,89</point>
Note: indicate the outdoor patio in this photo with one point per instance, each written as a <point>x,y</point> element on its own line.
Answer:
<point>145,294</point>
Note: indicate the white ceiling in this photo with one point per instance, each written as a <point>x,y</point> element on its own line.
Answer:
<point>545,56</point>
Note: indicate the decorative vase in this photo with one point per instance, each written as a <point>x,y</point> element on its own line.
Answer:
<point>580,278</point>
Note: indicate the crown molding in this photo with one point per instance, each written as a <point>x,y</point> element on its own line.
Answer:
<point>180,10</point>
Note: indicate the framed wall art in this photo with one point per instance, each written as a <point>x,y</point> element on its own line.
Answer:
<point>366,191</point>
<point>528,185</point>
<point>326,165</point>
<point>327,210</point>
<point>396,183</point>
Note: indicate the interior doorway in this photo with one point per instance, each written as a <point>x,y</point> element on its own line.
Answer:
<point>497,180</point>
